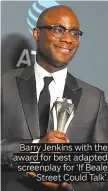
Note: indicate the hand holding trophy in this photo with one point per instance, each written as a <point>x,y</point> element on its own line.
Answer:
<point>63,113</point>
<point>61,116</point>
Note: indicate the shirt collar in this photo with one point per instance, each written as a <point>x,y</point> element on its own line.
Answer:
<point>40,72</point>
<point>58,76</point>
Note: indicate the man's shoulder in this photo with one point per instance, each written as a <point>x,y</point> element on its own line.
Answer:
<point>18,72</point>
<point>88,89</point>
<point>86,85</point>
<point>8,79</point>
<point>12,73</point>
<point>90,93</point>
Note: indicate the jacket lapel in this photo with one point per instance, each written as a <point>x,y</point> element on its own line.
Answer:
<point>72,91</point>
<point>27,91</point>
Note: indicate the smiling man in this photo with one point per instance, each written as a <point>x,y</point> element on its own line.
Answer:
<point>57,34</point>
<point>29,94</point>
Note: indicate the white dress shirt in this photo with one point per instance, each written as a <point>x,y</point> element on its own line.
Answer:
<point>56,87</point>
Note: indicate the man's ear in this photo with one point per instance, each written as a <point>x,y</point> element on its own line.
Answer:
<point>36,33</point>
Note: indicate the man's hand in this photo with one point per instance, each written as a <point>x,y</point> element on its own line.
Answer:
<point>54,137</point>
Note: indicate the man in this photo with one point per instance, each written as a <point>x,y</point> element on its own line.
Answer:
<point>57,37</point>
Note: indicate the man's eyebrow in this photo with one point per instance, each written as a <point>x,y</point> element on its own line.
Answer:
<point>58,24</point>
<point>74,27</point>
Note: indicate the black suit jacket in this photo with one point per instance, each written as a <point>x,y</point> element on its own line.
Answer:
<point>20,113</point>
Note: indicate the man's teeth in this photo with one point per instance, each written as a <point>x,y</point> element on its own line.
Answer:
<point>64,49</point>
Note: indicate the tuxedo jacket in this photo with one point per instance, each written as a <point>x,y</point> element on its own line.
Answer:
<point>20,112</point>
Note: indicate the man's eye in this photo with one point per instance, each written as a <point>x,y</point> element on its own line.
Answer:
<point>74,33</point>
<point>57,30</point>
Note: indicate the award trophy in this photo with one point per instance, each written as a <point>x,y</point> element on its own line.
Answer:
<point>62,112</point>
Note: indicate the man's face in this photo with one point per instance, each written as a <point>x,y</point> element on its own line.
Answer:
<point>58,51</point>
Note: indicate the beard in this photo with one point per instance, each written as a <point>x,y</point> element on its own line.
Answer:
<point>59,64</point>
<point>51,61</point>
